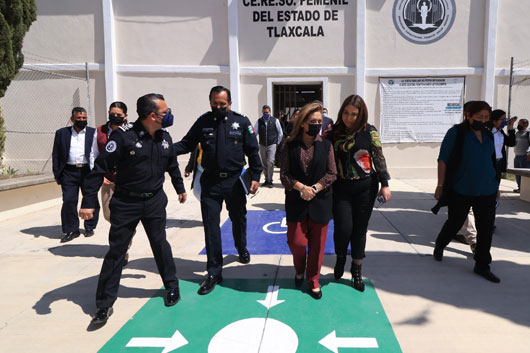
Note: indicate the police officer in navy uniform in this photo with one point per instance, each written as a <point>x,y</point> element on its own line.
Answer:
<point>225,137</point>
<point>141,152</point>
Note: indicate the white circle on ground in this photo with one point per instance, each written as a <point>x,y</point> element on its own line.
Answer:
<point>255,335</point>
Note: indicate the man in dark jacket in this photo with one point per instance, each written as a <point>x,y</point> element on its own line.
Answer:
<point>74,150</point>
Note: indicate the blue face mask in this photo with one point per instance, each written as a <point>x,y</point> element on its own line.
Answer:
<point>266,115</point>
<point>325,115</point>
<point>167,120</point>
<point>503,124</point>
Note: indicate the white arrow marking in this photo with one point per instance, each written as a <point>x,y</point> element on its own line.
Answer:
<point>169,344</point>
<point>272,297</point>
<point>333,343</point>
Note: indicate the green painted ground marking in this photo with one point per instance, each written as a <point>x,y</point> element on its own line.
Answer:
<point>245,315</point>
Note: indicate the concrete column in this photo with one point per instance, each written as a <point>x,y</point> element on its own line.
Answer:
<point>490,48</point>
<point>233,44</point>
<point>109,35</point>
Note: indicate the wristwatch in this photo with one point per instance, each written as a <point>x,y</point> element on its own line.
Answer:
<point>314,187</point>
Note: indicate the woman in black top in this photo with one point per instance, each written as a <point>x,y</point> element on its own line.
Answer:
<point>361,167</point>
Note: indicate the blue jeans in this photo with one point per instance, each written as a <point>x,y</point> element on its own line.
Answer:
<point>520,162</point>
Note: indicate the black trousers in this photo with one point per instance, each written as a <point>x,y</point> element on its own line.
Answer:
<point>213,191</point>
<point>125,213</point>
<point>484,209</point>
<point>353,202</point>
<point>71,181</point>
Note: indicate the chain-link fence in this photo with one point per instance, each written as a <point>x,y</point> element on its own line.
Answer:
<point>37,103</point>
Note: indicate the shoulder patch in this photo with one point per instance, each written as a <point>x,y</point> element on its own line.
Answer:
<point>110,146</point>
<point>126,127</point>
<point>205,114</point>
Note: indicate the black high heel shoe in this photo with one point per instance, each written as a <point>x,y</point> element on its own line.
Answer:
<point>356,277</point>
<point>338,271</point>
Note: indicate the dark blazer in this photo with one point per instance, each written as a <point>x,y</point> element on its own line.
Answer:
<point>319,208</point>
<point>509,140</point>
<point>326,122</point>
<point>61,148</point>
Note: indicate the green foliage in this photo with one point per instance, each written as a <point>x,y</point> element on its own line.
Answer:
<point>16,17</point>
<point>5,170</point>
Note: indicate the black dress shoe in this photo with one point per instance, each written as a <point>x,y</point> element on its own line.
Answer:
<point>438,253</point>
<point>102,315</point>
<point>487,274</point>
<point>172,297</point>
<point>270,185</point>
<point>70,236</point>
<point>315,295</point>
<point>298,281</point>
<point>244,256</point>
<point>89,233</point>
<point>209,284</point>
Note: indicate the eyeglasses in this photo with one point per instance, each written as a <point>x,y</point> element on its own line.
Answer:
<point>162,115</point>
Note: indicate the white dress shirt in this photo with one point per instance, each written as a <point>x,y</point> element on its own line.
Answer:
<point>76,155</point>
<point>498,138</point>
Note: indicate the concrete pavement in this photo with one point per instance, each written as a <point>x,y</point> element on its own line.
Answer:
<point>47,290</point>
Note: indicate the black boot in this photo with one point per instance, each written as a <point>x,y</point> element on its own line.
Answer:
<point>356,277</point>
<point>338,271</point>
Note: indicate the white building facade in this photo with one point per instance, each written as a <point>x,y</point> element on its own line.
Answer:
<point>283,53</point>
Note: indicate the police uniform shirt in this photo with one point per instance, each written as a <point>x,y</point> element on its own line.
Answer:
<point>140,160</point>
<point>240,140</point>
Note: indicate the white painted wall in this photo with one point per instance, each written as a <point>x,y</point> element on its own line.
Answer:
<point>183,48</point>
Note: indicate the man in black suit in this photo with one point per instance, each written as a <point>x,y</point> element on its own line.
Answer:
<point>74,151</point>
<point>327,122</point>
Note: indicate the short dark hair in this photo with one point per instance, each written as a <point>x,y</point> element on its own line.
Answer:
<point>266,107</point>
<point>146,104</point>
<point>497,114</point>
<point>119,105</point>
<point>78,110</point>
<point>219,89</point>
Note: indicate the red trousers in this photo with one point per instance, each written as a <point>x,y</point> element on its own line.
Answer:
<point>307,241</point>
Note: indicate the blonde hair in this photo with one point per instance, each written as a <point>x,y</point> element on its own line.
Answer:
<point>305,113</point>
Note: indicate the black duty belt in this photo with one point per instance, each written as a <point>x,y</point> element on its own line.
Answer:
<point>137,195</point>
<point>78,165</point>
<point>222,175</point>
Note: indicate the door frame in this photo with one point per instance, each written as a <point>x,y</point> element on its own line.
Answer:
<point>296,81</point>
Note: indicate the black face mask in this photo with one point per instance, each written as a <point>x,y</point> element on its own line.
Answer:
<point>116,119</point>
<point>520,128</point>
<point>478,125</point>
<point>80,124</point>
<point>219,113</point>
<point>314,129</point>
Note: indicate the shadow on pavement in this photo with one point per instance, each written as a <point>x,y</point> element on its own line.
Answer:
<point>52,232</point>
<point>182,223</point>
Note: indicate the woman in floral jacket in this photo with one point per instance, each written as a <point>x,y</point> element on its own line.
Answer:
<point>361,167</point>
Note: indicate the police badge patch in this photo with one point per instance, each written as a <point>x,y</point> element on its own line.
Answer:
<point>111,146</point>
